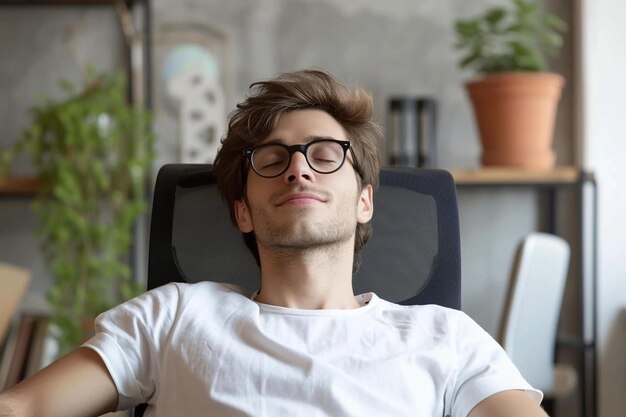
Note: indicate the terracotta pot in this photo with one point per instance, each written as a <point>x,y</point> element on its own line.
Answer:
<point>515,113</point>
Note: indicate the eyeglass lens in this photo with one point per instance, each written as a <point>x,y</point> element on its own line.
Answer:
<point>272,160</point>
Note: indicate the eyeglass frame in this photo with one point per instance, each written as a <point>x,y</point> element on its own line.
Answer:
<point>302,148</point>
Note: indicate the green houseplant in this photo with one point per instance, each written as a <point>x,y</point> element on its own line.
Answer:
<point>92,153</point>
<point>515,99</point>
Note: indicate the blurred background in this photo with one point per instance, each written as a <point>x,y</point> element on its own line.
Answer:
<point>392,48</point>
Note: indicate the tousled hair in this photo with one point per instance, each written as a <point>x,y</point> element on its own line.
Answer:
<point>256,116</point>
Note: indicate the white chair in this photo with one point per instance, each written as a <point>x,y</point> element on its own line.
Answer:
<point>529,326</point>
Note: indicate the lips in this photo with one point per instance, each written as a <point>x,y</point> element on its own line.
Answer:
<point>294,197</point>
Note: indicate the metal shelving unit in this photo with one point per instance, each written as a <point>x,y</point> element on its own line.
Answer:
<point>552,183</point>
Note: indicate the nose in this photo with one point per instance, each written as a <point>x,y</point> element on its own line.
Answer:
<point>298,169</point>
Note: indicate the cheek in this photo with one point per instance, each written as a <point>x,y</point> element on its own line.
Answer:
<point>251,190</point>
<point>259,192</point>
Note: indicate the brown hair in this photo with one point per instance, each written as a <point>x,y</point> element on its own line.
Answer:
<point>256,116</point>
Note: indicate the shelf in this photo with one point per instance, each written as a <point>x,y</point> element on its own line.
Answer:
<point>25,186</point>
<point>59,2</point>
<point>483,176</point>
<point>517,176</point>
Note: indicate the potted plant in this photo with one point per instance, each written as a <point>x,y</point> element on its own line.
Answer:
<point>515,99</point>
<point>92,153</point>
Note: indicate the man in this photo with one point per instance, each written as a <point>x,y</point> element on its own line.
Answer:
<point>298,168</point>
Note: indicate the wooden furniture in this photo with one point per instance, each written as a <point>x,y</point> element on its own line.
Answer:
<point>584,272</point>
<point>18,186</point>
<point>512,176</point>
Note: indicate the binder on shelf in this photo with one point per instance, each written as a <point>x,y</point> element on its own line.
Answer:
<point>19,357</point>
<point>37,355</point>
<point>26,350</point>
<point>7,355</point>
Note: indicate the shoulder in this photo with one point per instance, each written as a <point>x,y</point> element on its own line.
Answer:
<point>428,313</point>
<point>447,326</point>
<point>201,295</point>
<point>203,289</point>
<point>436,321</point>
<point>172,299</point>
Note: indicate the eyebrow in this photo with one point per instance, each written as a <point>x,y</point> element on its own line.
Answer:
<point>309,139</point>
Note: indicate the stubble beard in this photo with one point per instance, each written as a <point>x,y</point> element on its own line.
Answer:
<point>306,236</point>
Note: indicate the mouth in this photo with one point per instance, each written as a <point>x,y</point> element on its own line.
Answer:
<point>297,198</point>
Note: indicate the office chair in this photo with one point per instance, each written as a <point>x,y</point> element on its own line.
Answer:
<point>529,324</point>
<point>413,256</point>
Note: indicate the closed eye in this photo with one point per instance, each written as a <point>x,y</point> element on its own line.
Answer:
<point>324,161</point>
<point>272,164</point>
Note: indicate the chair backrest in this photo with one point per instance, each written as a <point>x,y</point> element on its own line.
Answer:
<point>530,321</point>
<point>413,256</point>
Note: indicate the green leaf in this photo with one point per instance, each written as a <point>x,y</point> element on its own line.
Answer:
<point>467,29</point>
<point>468,60</point>
<point>509,39</point>
<point>526,8</point>
<point>529,61</point>
<point>495,16</point>
<point>555,23</point>
<point>553,41</point>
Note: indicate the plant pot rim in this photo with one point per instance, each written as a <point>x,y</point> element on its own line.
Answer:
<point>516,77</point>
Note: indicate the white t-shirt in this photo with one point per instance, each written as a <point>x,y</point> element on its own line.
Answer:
<point>206,349</point>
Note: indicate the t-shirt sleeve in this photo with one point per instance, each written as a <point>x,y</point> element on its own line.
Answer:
<point>127,339</point>
<point>483,369</point>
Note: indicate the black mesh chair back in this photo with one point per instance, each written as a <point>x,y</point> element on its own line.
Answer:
<point>413,256</point>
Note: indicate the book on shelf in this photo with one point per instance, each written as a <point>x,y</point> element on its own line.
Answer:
<point>8,349</point>
<point>28,349</point>
<point>19,356</point>
<point>39,352</point>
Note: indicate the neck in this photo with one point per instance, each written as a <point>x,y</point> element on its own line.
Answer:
<point>318,278</point>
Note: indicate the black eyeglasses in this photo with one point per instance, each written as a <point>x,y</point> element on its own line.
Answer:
<point>324,156</point>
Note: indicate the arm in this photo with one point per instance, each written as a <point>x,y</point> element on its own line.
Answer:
<point>77,384</point>
<point>508,404</point>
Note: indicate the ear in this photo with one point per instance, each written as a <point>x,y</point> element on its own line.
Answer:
<point>242,215</point>
<point>365,208</point>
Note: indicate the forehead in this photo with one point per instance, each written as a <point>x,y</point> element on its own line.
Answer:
<point>299,126</point>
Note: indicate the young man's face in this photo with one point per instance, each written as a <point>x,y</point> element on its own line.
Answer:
<point>301,208</point>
